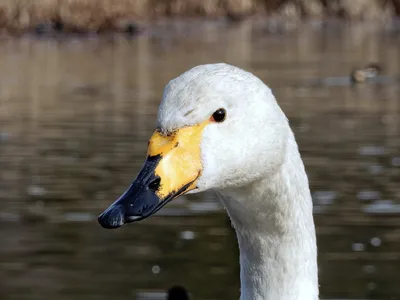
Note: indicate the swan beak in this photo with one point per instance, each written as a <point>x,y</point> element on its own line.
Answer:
<point>172,168</point>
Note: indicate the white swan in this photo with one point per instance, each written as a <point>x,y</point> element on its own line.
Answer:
<point>220,128</point>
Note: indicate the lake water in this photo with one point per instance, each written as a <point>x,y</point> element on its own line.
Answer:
<point>75,117</point>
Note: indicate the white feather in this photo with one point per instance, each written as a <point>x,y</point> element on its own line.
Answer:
<point>252,161</point>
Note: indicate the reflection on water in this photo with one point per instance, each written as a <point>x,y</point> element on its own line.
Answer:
<point>75,116</point>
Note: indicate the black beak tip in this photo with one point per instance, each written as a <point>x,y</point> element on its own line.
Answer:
<point>113,217</point>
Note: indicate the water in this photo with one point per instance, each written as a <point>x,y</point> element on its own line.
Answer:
<point>75,116</point>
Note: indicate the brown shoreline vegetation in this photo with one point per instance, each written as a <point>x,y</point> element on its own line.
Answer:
<point>40,16</point>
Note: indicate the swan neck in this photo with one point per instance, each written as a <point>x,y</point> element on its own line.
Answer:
<point>276,235</point>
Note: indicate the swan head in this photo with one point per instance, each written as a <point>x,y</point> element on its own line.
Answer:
<point>218,127</point>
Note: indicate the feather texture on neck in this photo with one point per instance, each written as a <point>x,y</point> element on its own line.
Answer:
<point>276,234</point>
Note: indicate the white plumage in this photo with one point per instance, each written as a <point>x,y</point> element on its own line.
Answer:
<point>251,160</point>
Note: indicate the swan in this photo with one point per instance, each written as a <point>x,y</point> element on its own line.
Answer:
<point>219,128</point>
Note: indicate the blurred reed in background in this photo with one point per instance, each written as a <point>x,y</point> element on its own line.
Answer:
<point>111,15</point>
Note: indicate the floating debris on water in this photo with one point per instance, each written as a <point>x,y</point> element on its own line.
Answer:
<point>151,295</point>
<point>324,197</point>
<point>187,235</point>
<point>368,195</point>
<point>155,269</point>
<point>9,217</point>
<point>382,207</point>
<point>174,293</point>
<point>376,242</point>
<point>372,150</point>
<point>396,161</point>
<point>358,247</point>
<point>36,191</point>
<point>375,169</point>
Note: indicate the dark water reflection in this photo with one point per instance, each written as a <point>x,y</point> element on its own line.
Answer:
<point>75,116</point>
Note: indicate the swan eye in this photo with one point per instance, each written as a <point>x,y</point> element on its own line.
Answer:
<point>219,115</point>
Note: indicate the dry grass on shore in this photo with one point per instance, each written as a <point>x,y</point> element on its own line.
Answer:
<point>108,15</point>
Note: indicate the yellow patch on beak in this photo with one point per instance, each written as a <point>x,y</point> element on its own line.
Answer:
<point>180,163</point>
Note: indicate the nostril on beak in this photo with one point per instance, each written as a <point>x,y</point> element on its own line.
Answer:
<point>155,184</point>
